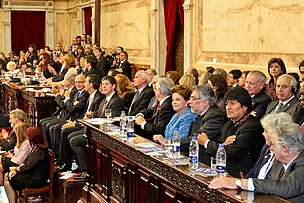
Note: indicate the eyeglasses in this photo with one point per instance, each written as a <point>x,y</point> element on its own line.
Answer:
<point>79,82</point>
<point>194,98</point>
<point>283,86</point>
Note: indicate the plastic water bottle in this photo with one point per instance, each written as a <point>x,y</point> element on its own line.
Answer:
<point>193,153</point>
<point>176,143</point>
<point>130,129</point>
<point>123,122</point>
<point>221,161</point>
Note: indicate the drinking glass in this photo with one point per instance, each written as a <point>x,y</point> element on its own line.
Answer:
<point>168,145</point>
<point>213,165</point>
<point>108,114</point>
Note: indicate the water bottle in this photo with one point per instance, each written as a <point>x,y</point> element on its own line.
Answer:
<point>221,161</point>
<point>123,122</point>
<point>130,129</point>
<point>193,153</point>
<point>176,143</point>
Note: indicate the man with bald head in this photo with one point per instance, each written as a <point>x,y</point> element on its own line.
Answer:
<point>285,91</point>
<point>255,85</point>
<point>143,94</point>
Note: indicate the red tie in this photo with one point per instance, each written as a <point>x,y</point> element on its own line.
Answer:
<point>158,106</point>
<point>302,127</point>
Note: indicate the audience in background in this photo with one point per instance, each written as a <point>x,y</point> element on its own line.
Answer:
<point>220,87</point>
<point>174,75</point>
<point>242,79</point>
<point>233,78</point>
<point>276,67</point>
<point>187,80</point>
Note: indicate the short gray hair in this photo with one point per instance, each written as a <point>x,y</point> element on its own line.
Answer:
<point>206,93</point>
<point>21,115</point>
<point>260,74</point>
<point>165,84</point>
<point>293,82</point>
<point>144,75</point>
<point>290,135</point>
<point>272,120</point>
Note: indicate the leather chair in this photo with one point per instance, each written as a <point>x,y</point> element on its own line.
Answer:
<point>45,191</point>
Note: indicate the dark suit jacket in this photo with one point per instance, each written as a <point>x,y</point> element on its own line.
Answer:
<point>101,63</point>
<point>98,97</point>
<point>142,101</point>
<point>288,108</point>
<point>298,114</point>
<point>115,104</point>
<point>61,75</point>
<point>96,71</point>
<point>125,66</point>
<point>10,143</point>
<point>244,152</point>
<point>260,102</point>
<point>157,120</point>
<point>4,121</point>
<point>76,106</point>
<point>127,99</point>
<point>63,111</point>
<point>263,159</point>
<point>210,123</point>
<point>289,185</point>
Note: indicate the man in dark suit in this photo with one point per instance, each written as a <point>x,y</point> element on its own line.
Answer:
<point>143,94</point>
<point>112,100</point>
<point>101,59</point>
<point>4,121</point>
<point>75,106</point>
<point>242,135</point>
<point>233,78</point>
<point>285,91</point>
<point>91,65</point>
<point>124,65</point>
<point>286,179</point>
<point>92,84</point>
<point>209,121</point>
<point>62,71</point>
<point>255,85</point>
<point>154,121</point>
<point>63,112</point>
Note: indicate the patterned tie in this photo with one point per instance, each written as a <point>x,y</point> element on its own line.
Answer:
<point>279,107</point>
<point>103,108</point>
<point>133,101</point>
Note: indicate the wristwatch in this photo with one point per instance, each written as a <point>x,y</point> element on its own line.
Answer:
<point>238,184</point>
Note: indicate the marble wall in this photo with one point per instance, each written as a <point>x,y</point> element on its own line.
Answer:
<point>1,32</point>
<point>247,33</point>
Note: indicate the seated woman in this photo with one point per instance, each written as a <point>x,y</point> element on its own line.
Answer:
<point>34,171</point>
<point>183,117</point>
<point>125,90</point>
<point>21,150</point>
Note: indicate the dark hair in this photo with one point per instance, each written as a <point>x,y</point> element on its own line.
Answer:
<point>281,64</point>
<point>111,79</point>
<point>236,74</point>
<point>124,52</point>
<point>34,47</point>
<point>194,73</point>
<point>182,90</point>
<point>94,80</point>
<point>221,85</point>
<point>92,60</point>
<point>175,76</point>
<point>246,72</point>
<point>240,95</point>
<point>35,136</point>
<point>295,75</point>
<point>301,64</point>
<point>122,49</point>
<point>210,69</point>
<point>114,72</point>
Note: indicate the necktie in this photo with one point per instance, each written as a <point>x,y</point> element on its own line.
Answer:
<point>158,106</point>
<point>103,108</point>
<point>90,103</point>
<point>133,101</point>
<point>302,126</point>
<point>76,96</point>
<point>279,107</point>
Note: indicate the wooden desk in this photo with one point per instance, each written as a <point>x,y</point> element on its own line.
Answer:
<point>120,173</point>
<point>36,105</point>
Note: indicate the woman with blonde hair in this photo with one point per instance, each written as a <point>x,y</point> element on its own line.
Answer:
<point>187,80</point>
<point>21,150</point>
<point>125,90</point>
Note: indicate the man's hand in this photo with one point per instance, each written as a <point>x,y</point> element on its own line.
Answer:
<point>202,138</point>
<point>223,182</point>
<point>139,120</point>
<point>160,139</point>
<point>229,140</point>
<point>69,124</point>
<point>4,134</point>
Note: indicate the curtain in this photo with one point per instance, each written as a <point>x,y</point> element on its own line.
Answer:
<point>87,20</point>
<point>28,27</point>
<point>171,10</point>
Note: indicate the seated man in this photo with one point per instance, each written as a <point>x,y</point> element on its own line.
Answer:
<point>285,90</point>
<point>286,177</point>
<point>154,121</point>
<point>233,78</point>
<point>8,141</point>
<point>255,85</point>
<point>210,120</point>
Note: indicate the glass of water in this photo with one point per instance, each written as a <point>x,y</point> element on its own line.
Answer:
<point>213,165</point>
<point>108,114</point>
<point>168,145</point>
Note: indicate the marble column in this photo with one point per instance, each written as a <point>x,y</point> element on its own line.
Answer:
<point>188,34</point>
